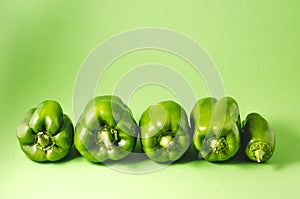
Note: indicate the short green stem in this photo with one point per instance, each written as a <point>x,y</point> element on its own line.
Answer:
<point>260,151</point>
<point>259,155</point>
<point>44,140</point>
<point>217,144</point>
<point>107,136</point>
<point>166,141</point>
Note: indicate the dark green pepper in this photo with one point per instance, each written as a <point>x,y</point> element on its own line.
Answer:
<point>45,133</point>
<point>216,127</point>
<point>105,130</point>
<point>165,132</point>
<point>258,138</point>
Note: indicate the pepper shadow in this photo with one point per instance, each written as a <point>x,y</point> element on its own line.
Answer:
<point>192,154</point>
<point>73,154</point>
<point>287,144</point>
<point>137,155</point>
<point>239,159</point>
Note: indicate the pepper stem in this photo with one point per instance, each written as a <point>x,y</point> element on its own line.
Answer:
<point>259,151</point>
<point>44,140</point>
<point>217,144</point>
<point>166,141</point>
<point>259,155</point>
<point>107,136</point>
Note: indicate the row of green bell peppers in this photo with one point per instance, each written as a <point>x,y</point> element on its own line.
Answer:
<point>106,130</point>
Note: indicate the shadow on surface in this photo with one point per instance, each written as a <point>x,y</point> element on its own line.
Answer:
<point>134,157</point>
<point>239,159</point>
<point>189,156</point>
<point>72,155</point>
<point>287,145</point>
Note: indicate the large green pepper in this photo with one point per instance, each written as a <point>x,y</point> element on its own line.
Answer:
<point>165,132</point>
<point>216,126</point>
<point>105,130</point>
<point>45,133</point>
<point>258,138</point>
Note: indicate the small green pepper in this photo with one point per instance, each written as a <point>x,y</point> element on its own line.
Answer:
<point>258,138</point>
<point>216,126</point>
<point>45,133</point>
<point>105,130</point>
<point>165,132</point>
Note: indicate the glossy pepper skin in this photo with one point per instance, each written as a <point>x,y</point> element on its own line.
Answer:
<point>164,131</point>
<point>216,126</point>
<point>258,139</point>
<point>45,133</point>
<point>106,130</point>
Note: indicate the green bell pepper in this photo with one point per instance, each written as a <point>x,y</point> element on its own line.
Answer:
<point>106,130</point>
<point>258,139</point>
<point>45,133</point>
<point>216,127</point>
<point>164,131</point>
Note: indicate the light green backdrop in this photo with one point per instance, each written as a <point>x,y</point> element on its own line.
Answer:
<point>255,45</point>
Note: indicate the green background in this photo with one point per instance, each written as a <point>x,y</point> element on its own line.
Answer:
<point>255,45</point>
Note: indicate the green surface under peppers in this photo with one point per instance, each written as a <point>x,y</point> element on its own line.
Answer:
<point>258,139</point>
<point>45,133</point>
<point>106,130</point>
<point>164,131</point>
<point>216,127</point>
